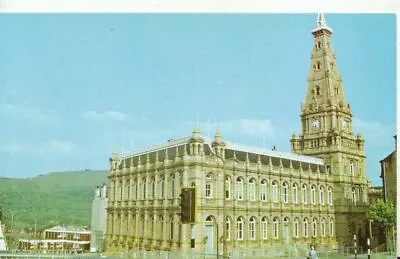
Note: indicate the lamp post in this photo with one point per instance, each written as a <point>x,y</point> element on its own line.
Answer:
<point>12,225</point>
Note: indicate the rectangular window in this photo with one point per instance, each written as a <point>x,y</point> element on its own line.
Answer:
<point>275,227</point>
<point>240,230</point>
<point>239,191</point>
<point>252,231</point>
<point>208,190</point>
<point>228,230</point>
<point>275,193</point>
<point>171,232</point>
<point>263,192</point>
<point>172,187</point>
<point>227,189</point>
<point>296,229</point>
<point>264,227</point>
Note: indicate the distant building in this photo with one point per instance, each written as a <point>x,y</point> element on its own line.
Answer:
<point>389,176</point>
<point>375,193</point>
<point>99,219</point>
<point>59,240</point>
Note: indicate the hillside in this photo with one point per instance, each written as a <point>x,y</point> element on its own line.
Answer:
<point>55,198</point>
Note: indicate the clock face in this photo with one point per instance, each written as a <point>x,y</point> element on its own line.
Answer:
<point>315,123</point>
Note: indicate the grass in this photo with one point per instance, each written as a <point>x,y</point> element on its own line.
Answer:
<point>55,198</point>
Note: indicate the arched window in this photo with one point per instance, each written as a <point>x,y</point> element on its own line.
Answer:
<point>332,227</point>
<point>321,195</point>
<point>264,228</point>
<point>296,227</point>
<point>121,193</point>
<point>317,89</point>
<point>171,228</point>
<point>252,228</point>
<point>304,193</point>
<point>319,44</point>
<point>134,190</point>
<point>318,67</point>
<point>172,186</point>
<point>227,187</point>
<point>305,227</point>
<point>353,193</point>
<point>323,228</point>
<point>275,191</point>
<point>240,228</point>
<point>228,228</point>
<point>161,222</point>
<point>314,227</point>
<point>153,188</point>
<point>209,179</point>
<point>151,228</point>
<point>351,167</point>
<point>162,188</point>
<point>275,227</point>
<point>313,195</point>
<point>330,198</point>
<point>294,192</point>
<point>144,188</point>
<point>264,189</point>
<point>128,192</point>
<point>252,189</point>
<point>285,193</point>
<point>239,188</point>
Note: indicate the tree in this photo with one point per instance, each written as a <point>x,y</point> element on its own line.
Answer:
<point>385,214</point>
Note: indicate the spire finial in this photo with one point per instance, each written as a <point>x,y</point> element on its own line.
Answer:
<point>321,23</point>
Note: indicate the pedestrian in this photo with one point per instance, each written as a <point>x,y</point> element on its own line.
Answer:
<point>312,254</point>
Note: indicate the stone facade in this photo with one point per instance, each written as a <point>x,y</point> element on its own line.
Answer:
<point>389,177</point>
<point>248,197</point>
<point>327,133</point>
<point>244,198</point>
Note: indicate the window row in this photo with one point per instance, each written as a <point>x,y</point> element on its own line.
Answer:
<point>298,228</point>
<point>146,189</point>
<point>287,193</point>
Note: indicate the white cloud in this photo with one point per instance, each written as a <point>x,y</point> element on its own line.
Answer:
<point>25,112</point>
<point>374,131</point>
<point>250,131</point>
<point>105,116</point>
<point>239,127</point>
<point>49,147</point>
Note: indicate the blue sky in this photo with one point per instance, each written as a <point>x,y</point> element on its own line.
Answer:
<point>76,87</point>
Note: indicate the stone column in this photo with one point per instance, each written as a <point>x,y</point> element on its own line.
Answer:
<point>175,239</point>
<point>110,234</point>
<point>165,234</point>
<point>111,195</point>
<point>185,228</point>
<point>136,228</point>
<point>131,227</point>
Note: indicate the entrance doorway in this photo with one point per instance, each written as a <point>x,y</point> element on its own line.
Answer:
<point>209,233</point>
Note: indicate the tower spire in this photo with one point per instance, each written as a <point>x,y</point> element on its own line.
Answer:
<point>321,23</point>
<point>321,20</point>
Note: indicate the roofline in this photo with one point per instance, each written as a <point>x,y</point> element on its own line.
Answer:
<point>229,145</point>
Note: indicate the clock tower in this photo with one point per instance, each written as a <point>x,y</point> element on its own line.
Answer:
<point>326,122</point>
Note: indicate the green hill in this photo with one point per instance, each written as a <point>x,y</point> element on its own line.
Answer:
<point>55,198</point>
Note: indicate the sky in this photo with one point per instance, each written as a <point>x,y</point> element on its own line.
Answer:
<point>76,87</point>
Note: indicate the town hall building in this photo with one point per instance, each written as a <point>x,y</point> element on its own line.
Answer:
<point>249,197</point>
